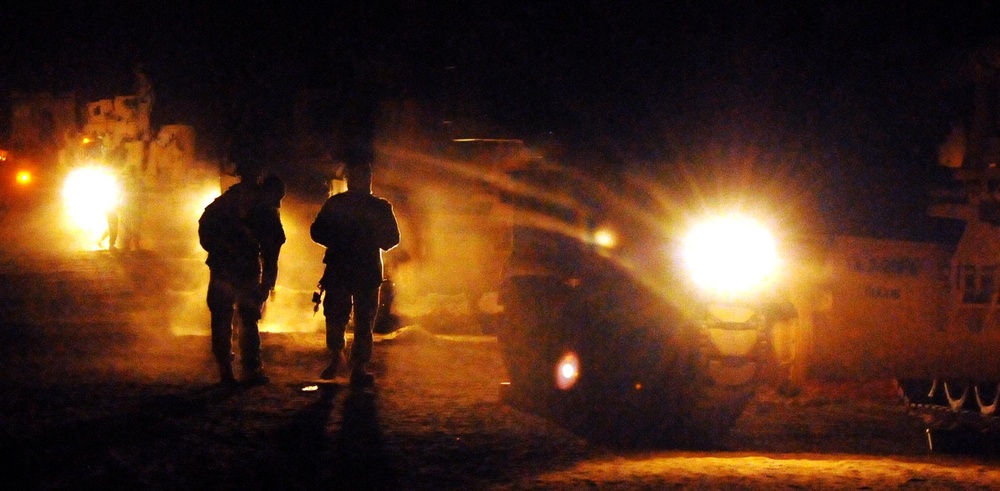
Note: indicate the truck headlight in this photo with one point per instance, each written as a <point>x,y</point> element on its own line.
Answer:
<point>605,237</point>
<point>730,254</point>
<point>88,194</point>
<point>23,177</point>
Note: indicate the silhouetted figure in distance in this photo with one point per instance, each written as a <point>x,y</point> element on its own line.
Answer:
<point>112,216</point>
<point>132,206</point>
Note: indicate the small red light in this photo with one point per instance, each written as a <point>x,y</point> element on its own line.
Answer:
<point>567,371</point>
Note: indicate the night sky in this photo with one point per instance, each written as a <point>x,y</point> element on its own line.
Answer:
<point>860,89</point>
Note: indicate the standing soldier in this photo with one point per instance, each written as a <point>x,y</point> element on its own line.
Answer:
<point>133,195</point>
<point>242,233</point>
<point>112,214</point>
<point>355,227</point>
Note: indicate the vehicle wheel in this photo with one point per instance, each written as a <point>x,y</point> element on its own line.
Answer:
<point>921,392</point>
<point>525,338</point>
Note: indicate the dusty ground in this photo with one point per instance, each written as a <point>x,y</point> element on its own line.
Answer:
<point>98,392</point>
<point>433,422</point>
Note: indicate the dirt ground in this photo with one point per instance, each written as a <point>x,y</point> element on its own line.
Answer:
<point>99,392</point>
<point>433,421</point>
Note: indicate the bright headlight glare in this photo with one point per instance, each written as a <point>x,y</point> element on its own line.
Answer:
<point>606,238</point>
<point>88,194</point>
<point>730,254</point>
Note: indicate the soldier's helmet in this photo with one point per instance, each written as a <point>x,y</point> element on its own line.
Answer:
<point>358,171</point>
<point>359,177</point>
<point>249,169</point>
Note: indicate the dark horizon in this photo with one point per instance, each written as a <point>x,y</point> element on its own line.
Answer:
<point>860,92</point>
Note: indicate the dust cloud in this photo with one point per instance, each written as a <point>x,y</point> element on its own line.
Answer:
<point>135,311</point>
<point>185,278</point>
<point>455,237</point>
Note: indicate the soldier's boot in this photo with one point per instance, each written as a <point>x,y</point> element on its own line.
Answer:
<point>253,372</point>
<point>337,360</point>
<point>226,375</point>
<point>254,375</point>
<point>361,377</point>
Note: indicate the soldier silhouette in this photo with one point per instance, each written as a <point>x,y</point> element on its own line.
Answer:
<point>241,231</point>
<point>132,205</point>
<point>355,227</point>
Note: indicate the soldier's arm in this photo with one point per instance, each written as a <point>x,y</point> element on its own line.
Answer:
<point>270,249</point>
<point>321,230</point>
<point>387,230</point>
<point>210,230</point>
<point>269,269</point>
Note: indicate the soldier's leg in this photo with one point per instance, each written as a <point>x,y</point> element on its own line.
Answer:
<point>220,305</point>
<point>337,310</point>
<point>112,217</point>
<point>249,309</point>
<point>365,308</point>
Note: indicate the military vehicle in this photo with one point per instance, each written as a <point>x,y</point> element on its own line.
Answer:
<point>626,329</point>
<point>445,274</point>
<point>920,309</point>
